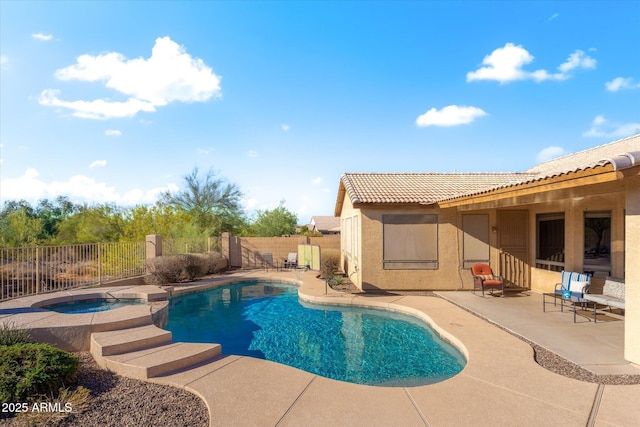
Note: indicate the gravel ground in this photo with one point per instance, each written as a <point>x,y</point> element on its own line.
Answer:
<point>122,402</point>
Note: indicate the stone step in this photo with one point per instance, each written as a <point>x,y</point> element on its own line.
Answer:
<point>163,359</point>
<point>127,340</point>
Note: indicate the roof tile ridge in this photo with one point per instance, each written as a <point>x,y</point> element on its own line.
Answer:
<point>568,155</point>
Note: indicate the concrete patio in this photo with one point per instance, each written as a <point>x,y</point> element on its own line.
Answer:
<point>501,384</point>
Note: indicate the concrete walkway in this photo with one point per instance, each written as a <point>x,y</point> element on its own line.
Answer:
<point>500,386</point>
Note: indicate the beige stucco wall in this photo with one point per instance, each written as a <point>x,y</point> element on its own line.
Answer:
<point>351,262</point>
<point>632,278</point>
<point>446,277</point>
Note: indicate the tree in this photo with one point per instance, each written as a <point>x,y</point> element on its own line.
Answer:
<point>275,222</point>
<point>19,229</point>
<point>91,224</point>
<point>141,221</point>
<point>52,213</point>
<point>213,203</point>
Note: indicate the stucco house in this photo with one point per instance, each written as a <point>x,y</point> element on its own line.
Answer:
<point>423,231</point>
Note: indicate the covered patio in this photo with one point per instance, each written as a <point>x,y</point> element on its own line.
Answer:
<point>597,347</point>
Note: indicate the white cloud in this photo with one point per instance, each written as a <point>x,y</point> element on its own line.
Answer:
<point>549,153</point>
<point>554,16</point>
<point>621,83</point>
<point>112,132</point>
<point>4,60</point>
<point>285,127</point>
<point>78,188</point>
<point>317,181</point>
<point>252,153</point>
<point>451,115</point>
<point>42,37</point>
<point>602,127</point>
<point>169,75</point>
<point>505,65</point>
<point>98,163</point>
<point>96,109</point>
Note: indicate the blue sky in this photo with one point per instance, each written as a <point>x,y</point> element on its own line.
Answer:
<point>117,101</point>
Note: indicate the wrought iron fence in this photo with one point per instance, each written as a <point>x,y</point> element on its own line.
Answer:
<point>40,269</point>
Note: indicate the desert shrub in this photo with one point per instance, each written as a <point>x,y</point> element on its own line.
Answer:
<point>28,369</point>
<point>172,269</point>
<point>329,263</point>
<point>207,263</point>
<point>10,334</point>
<point>336,281</point>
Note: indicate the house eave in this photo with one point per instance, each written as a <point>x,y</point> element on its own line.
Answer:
<point>587,177</point>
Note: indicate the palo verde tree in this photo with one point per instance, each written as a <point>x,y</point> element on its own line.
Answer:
<point>212,202</point>
<point>275,222</point>
<point>91,224</point>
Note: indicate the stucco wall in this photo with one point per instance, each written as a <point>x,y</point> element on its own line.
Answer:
<point>632,278</point>
<point>248,250</point>
<point>446,277</point>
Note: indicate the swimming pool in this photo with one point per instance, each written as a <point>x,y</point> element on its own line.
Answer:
<point>358,345</point>
<point>91,305</point>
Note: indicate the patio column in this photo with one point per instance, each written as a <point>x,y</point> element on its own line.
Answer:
<point>632,273</point>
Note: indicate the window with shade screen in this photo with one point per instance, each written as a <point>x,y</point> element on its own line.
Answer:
<point>410,242</point>
<point>475,240</point>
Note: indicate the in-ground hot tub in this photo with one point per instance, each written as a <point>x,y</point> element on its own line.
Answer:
<point>92,305</point>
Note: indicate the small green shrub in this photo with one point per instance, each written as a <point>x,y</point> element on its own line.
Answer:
<point>10,334</point>
<point>329,263</point>
<point>29,369</point>
<point>336,281</point>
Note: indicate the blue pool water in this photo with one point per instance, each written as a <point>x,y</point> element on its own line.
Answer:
<point>90,306</point>
<point>364,346</point>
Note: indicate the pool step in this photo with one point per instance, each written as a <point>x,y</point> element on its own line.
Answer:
<point>127,340</point>
<point>159,360</point>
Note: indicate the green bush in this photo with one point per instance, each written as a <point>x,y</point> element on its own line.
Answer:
<point>27,370</point>
<point>10,334</point>
<point>329,263</point>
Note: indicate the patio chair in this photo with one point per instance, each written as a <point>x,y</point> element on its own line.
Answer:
<point>483,277</point>
<point>267,261</point>
<point>291,261</point>
<point>567,291</point>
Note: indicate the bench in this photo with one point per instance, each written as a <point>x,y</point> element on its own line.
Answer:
<point>612,293</point>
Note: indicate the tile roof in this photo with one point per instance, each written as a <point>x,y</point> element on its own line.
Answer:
<point>431,188</point>
<point>589,158</point>
<point>326,223</point>
<point>621,154</point>
<point>420,188</point>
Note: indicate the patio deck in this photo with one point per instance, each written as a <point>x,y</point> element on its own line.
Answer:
<point>595,346</point>
<point>501,384</point>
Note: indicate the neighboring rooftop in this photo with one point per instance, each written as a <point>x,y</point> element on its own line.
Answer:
<point>325,224</point>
